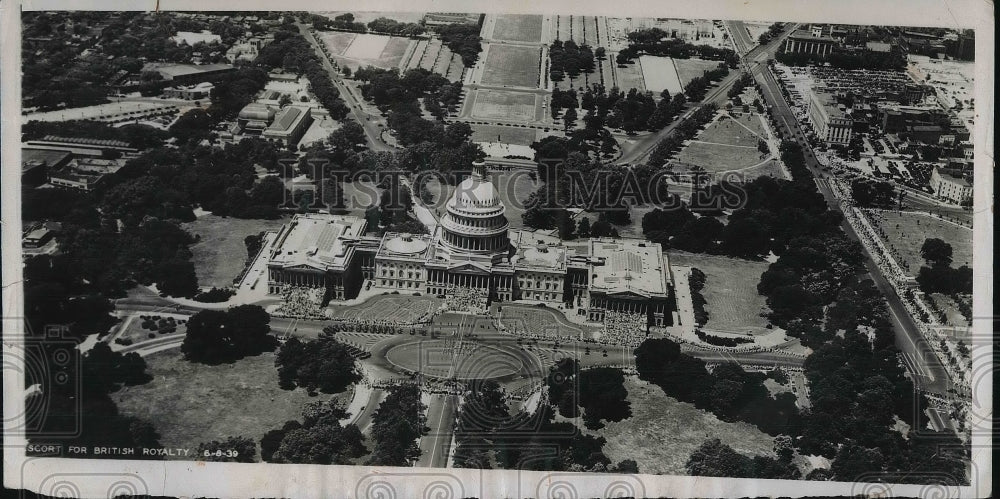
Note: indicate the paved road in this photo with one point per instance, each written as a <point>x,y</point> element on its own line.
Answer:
<point>434,446</point>
<point>928,373</point>
<point>372,131</point>
<point>640,149</point>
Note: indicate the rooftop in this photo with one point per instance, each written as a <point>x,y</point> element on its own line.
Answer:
<point>316,240</point>
<point>49,158</point>
<point>169,71</point>
<point>630,266</point>
<point>286,118</point>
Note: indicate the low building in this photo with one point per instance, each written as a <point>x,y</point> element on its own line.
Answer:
<point>254,118</point>
<point>951,185</point>
<point>190,73</point>
<point>830,119</point>
<point>201,91</point>
<point>289,125</point>
<point>36,163</point>
<point>84,174</point>
<point>814,40</point>
<point>895,118</point>
<point>79,146</point>
<point>37,238</point>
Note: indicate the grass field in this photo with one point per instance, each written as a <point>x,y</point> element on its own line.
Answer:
<point>336,41</point>
<point>906,231</point>
<point>719,158</point>
<point>744,130</point>
<point>358,50</point>
<point>508,134</point>
<point>662,432</point>
<point>518,28</point>
<point>726,144</point>
<point>511,65</point>
<point>688,69</point>
<point>497,104</point>
<point>220,254</point>
<point>136,333</point>
<point>730,291</point>
<point>400,308</point>
<point>191,403</point>
<point>659,73</point>
<point>629,76</point>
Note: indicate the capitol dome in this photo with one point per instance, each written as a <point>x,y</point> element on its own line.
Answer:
<point>475,221</point>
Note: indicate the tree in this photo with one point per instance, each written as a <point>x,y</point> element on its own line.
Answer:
<point>936,252</point>
<point>214,336</point>
<point>284,100</point>
<point>319,439</point>
<point>325,365</point>
<point>569,118</point>
<point>583,228</point>
<point>713,458</point>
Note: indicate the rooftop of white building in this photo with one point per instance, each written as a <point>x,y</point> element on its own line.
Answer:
<point>630,266</point>
<point>316,240</point>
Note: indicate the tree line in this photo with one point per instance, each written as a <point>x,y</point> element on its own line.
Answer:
<point>655,41</point>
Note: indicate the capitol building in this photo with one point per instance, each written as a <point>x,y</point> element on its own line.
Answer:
<point>473,249</point>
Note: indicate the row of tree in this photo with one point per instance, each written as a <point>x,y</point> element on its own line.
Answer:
<point>696,88</point>
<point>569,59</point>
<point>684,131</point>
<point>655,41</point>
<point>464,40</point>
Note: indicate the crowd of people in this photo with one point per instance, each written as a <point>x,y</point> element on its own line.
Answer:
<point>302,303</point>
<point>624,328</point>
<point>463,299</point>
<point>378,326</point>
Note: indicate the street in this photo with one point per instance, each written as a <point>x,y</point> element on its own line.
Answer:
<point>929,374</point>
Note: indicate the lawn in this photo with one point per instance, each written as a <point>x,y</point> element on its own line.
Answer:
<point>518,28</point>
<point>689,69</point>
<point>906,231</point>
<point>742,130</point>
<point>220,254</point>
<point>336,42</point>
<point>660,73</point>
<point>511,65</point>
<point>135,333</point>
<point>730,291</point>
<point>359,50</point>
<point>507,134</point>
<point>498,104</point>
<point>662,432</point>
<point>718,157</point>
<point>629,76</point>
<point>190,403</point>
